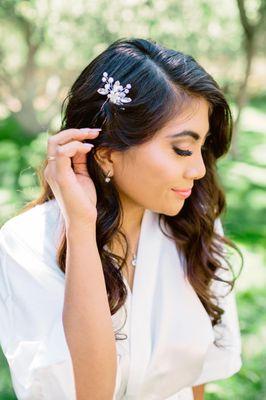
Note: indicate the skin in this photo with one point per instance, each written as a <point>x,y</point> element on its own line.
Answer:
<point>145,174</point>
<point>198,392</point>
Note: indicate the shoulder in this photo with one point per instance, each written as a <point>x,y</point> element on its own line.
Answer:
<point>31,283</point>
<point>31,302</point>
<point>33,219</point>
<point>37,229</point>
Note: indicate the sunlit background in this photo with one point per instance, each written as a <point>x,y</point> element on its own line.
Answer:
<point>44,46</point>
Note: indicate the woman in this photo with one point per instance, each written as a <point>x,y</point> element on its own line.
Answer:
<point>115,282</point>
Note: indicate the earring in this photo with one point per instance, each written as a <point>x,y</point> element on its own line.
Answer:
<point>107,178</point>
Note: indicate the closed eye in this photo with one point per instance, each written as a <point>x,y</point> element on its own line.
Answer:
<point>184,153</point>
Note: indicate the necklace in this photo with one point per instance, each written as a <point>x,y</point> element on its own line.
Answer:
<point>134,261</point>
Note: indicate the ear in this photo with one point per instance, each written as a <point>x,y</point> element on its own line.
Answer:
<point>103,156</point>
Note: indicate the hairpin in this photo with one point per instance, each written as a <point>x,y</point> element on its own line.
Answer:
<point>116,93</point>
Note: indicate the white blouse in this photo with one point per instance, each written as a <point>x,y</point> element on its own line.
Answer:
<point>169,346</point>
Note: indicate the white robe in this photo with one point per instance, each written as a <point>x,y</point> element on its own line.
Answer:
<point>169,347</point>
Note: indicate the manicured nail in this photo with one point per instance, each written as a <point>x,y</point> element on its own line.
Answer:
<point>88,144</point>
<point>87,130</point>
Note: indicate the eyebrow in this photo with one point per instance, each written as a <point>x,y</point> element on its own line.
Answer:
<point>192,134</point>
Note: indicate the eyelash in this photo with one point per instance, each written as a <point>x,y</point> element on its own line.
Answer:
<point>185,153</point>
<point>182,152</point>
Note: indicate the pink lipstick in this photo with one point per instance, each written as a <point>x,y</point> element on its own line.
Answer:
<point>183,193</point>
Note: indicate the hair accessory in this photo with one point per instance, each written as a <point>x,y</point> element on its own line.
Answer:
<point>116,93</point>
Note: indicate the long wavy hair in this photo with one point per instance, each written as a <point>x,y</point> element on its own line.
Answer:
<point>163,81</point>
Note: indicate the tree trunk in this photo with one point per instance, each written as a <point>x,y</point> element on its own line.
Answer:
<point>242,95</point>
<point>250,31</point>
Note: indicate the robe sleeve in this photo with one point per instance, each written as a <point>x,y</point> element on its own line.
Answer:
<point>223,362</point>
<point>31,329</point>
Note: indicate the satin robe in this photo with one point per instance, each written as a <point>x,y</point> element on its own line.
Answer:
<point>169,346</point>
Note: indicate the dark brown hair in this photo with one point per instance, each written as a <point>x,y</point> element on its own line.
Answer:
<point>163,81</point>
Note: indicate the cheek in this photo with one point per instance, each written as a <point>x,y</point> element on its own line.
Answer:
<point>157,168</point>
<point>164,166</point>
<point>149,171</point>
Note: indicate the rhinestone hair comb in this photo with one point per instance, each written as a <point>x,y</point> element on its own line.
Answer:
<point>115,92</point>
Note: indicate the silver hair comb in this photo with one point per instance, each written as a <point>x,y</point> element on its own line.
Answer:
<point>115,92</point>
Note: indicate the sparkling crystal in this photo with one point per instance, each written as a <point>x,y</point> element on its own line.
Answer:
<point>126,100</point>
<point>102,91</point>
<point>115,91</point>
<point>134,261</point>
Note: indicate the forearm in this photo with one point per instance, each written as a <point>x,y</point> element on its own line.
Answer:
<point>87,318</point>
<point>198,392</point>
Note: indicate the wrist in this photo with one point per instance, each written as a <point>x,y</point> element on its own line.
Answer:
<point>77,229</point>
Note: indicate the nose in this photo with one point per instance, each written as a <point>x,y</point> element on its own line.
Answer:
<point>195,169</point>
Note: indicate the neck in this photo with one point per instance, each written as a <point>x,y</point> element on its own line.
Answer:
<point>132,215</point>
<point>132,221</point>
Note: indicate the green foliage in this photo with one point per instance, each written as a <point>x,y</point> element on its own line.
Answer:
<point>244,182</point>
<point>51,42</point>
<point>20,156</point>
<point>6,390</point>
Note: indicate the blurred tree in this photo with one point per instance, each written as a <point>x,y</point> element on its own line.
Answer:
<point>43,36</point>
<point>22,17</point>
<point>251,30</point>
<point>45,44</point>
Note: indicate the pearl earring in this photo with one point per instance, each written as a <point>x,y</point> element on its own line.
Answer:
<point>107,178</point>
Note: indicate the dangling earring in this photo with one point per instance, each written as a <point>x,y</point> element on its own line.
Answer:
<point>107,178</point>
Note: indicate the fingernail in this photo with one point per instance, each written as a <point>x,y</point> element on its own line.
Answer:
<point>85,130</point>
<point>88,144</point>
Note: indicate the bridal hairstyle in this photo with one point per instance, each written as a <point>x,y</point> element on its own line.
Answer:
<point>163,82</point>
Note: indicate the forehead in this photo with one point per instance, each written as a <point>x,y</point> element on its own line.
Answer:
<point>194,116</point>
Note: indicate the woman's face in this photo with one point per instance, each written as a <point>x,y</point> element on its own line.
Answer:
<point>146,175</point>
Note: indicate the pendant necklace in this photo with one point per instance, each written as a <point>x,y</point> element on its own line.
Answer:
<point>134,261</point>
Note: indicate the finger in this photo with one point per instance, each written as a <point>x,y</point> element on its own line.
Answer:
<point>79,161</point>
<point>67,135</point>
<point>62,163</point>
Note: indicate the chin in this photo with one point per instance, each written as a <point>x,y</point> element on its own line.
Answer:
<point>171,212</point>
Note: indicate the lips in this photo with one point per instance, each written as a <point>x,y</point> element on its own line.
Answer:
<point>182,190</point>
<point>183,193</point>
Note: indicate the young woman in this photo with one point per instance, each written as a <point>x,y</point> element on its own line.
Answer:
<point>115,282</point>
